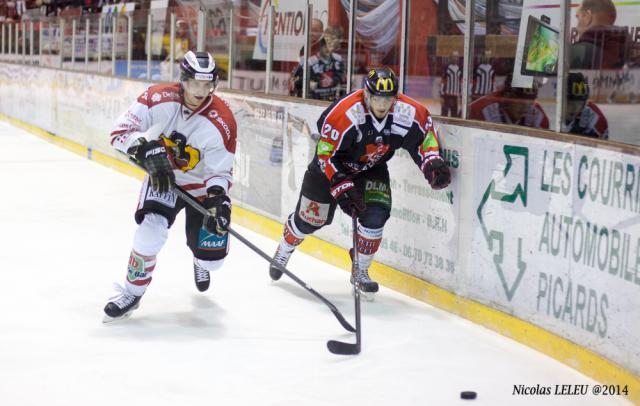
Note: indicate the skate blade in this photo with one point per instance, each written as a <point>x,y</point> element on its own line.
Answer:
<point>109,319</point>
<point>366,296</point>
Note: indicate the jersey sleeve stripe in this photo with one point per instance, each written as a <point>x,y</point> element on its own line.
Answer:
<point>192,186</point>
<point>338,122</point>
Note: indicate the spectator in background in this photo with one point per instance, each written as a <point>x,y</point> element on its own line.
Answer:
<point>91,6</point>
<point>182,42</point>
<point>21,7</point>
<point>599,43</point>
<point>451,86</point>
<point>8,10</point>
<point>295,80</point>
<point>326,69</point>
<point>582,116</point>
<point>47,7</point>
<point>511,105</point>
<point>182,46</point>
<point>484,77</point>
<point>4,11</point>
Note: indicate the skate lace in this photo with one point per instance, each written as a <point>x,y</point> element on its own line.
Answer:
<point>202,274</point>
<point>282,257</point>
<point>123,298</point>
<point>363,275</point>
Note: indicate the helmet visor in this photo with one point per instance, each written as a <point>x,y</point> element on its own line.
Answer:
<point>198,87</point>
<point>381,103</point>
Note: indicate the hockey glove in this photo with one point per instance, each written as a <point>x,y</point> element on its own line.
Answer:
<point>348,196</point>
<point>219,206</point>
<point>153,157</point>
<point>436,172</point>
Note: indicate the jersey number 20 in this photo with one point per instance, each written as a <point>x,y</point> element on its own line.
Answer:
<point>330,132</point>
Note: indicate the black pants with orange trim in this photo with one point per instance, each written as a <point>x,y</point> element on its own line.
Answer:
<point>316,207</point>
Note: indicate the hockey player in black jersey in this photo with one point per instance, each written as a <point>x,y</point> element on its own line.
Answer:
<point>358,135</point>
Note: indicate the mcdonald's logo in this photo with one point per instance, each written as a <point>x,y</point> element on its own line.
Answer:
<point>384,84</point>
<point>579,89</point>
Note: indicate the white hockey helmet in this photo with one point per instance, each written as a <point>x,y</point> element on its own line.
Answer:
<point>198,66</point>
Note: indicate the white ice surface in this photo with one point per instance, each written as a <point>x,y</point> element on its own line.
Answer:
<point>67,225</point>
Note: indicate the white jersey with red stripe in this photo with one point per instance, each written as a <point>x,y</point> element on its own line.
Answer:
<point>201,144</point>
<point>352,140</point>
<point>491,108</point>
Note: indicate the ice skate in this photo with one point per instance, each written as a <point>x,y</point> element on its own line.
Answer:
<point>201,277</point>
<point>120,306</point>
<point>281,257</point>
<point>368,287</point>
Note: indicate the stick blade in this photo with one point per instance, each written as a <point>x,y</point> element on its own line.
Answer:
<point>342,348</point>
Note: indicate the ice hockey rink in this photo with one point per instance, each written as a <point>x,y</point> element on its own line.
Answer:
<point>67,227</point>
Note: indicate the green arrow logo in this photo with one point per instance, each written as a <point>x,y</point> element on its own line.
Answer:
<point>492,236</point>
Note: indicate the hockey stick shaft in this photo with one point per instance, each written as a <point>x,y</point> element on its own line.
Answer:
<point>356,285</point>
<point>339,347</point>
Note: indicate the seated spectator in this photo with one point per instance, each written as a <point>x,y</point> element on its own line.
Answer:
<point>582,116</point>
<point>600,44</point>
<point>511,105</point>
<point>8,11</point>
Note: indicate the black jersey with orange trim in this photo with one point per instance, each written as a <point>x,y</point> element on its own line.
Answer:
<point>352,140</point>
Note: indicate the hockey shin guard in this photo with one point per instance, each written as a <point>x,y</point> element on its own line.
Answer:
<point>369,240</point>
<point>291,236</point>
<point>139,272</point>
<point>147,242</point>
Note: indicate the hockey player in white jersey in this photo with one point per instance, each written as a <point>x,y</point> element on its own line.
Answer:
<point>180,133</point>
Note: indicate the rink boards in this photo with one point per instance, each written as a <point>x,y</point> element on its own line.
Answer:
<point>535,238</point>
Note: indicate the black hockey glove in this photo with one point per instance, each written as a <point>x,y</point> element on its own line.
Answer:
<point>153,157</point>
<point>219,206</point>
<point>348,197</point>
<point>436,172</point>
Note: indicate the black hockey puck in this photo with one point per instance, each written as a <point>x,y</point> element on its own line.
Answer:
<point>468,394</point>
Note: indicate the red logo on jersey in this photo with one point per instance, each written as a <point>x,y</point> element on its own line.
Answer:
<point>313,206</point>
<point>374,153</point>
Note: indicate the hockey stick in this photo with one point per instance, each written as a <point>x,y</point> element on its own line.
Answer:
<point>339,347</point>
<point>193,202</point>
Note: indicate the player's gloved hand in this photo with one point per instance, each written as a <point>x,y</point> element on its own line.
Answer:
<point>154,159</point>
<point>219,206</point>
<point>436,172</point>
<point>348,197</point>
